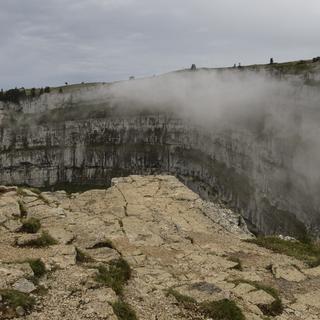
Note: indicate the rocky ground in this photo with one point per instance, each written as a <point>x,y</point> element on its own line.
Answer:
<point>182,251</point>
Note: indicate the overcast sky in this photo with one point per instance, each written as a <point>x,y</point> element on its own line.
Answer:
<point>48,42</point>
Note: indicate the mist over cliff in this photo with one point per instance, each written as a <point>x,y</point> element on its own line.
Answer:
<point>247,137</point>
<point>258,103</point>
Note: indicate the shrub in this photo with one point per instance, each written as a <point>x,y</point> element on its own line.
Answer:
<point>38,267</point>
<point>217,310</point>
<point>44,240</point>
<point>14,299</point>
<point>31,225</point>
<point>114,275</point>
<point>123,311</point>
<point>222,310</point>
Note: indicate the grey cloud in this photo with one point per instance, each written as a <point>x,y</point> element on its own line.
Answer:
<point>49,42</point>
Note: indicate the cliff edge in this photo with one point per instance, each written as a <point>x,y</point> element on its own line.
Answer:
<point>147,248</point>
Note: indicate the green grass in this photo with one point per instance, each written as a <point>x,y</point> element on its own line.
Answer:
<point>181,298</point>
<point>216,310</point>
<point>44,240</point>
<point>273,309</point>
<point>115,275</point>
<point>123,311</point>
<point>31,225</point>
<point>222,310</point>
<point>306,251</point>
<point>83,257</point>
<point>38,267</point>
<point>14,299</point>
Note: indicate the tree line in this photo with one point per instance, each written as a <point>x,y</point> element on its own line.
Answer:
<point>16,95</point>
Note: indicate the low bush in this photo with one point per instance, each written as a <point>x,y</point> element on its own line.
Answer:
<point>31,225</point>
<point>14,299</point>
<point>216,310</point>
<point>44,240</point>
<point>222,310</point>
<point>38,267</point>
<point>123,311</point>
<point>114,275</point>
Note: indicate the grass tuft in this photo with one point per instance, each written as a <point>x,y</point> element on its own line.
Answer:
<point>306,251</point>
<point>31,225</point>
<point>181,298</point>
<point>38,267</point>
<point>14,299</point>
<point>45,240</point>
<point>123,311</point>
<point>216,310</point>
<point>114,275</point>
<point>222,310</point>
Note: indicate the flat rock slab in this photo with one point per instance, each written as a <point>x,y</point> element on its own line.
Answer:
<point>259,297</point>
<point>310,299</point>
<point>242,289</point>
<point>289,273</point>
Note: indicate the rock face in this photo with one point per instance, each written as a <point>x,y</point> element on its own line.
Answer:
<point>62,140</point>
<point>91,152</point>
<point>171,239</point>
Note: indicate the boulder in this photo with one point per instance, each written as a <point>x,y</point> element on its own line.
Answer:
<point>24,285</point>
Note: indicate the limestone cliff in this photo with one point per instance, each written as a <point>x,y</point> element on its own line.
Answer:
<point>83,138</point>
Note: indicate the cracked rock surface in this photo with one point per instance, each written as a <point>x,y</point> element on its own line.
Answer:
<point>170,238</point>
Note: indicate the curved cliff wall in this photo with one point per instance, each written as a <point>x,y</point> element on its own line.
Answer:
<point>247,139</point>
<point>231,166</point>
